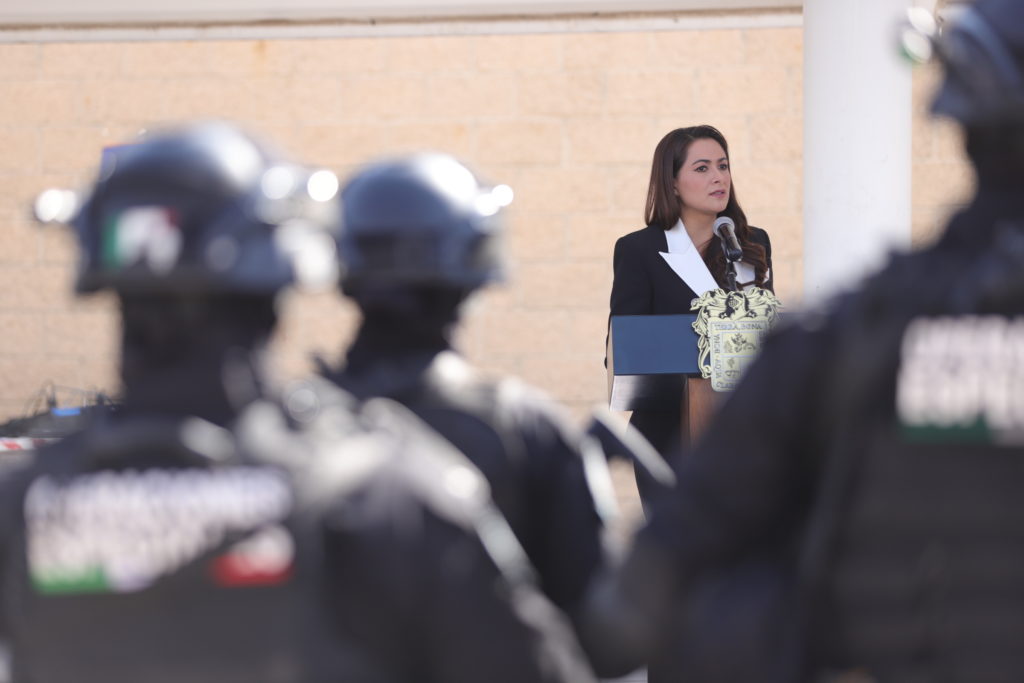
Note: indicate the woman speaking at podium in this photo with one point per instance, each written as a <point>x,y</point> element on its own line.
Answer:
<point>662,268</point>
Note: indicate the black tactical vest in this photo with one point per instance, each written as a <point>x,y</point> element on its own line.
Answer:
<point>156,563</point>
<point>925,575</point>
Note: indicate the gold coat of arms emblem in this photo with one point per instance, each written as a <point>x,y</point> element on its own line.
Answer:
<point>730,327</point>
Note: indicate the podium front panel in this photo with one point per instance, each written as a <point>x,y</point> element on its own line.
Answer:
<point>653,345</point>
<point>649,358</point>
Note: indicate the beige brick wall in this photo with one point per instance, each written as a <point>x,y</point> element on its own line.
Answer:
<point>569,120</point>
<point>942,180</point>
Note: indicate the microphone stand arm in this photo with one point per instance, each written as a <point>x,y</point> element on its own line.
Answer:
<point>730,268</point>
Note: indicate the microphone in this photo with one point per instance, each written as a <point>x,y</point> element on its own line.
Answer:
<point>726,231</point>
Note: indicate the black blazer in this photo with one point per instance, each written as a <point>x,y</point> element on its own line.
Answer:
<point>644,283</point>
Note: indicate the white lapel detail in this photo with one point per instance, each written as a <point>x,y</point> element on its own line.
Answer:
<point>744,273</point>
<point>685,260</point>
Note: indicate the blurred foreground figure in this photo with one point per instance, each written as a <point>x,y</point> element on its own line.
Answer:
<point>199,534</point>
<point>419,235</point>
<point>856,511</point>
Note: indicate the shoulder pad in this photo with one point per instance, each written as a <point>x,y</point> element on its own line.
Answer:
<point>449,483</point>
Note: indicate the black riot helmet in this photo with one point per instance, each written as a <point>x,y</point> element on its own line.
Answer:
<point>982,51</point>
<point>422,221</point>
<point>205,210</point>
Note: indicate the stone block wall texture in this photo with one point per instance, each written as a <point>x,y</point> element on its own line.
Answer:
<point>568,120</point>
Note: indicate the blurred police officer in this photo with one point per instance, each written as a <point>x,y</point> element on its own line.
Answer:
<point>864,482</point>
<point>419,235</point>
<point>198,535</point>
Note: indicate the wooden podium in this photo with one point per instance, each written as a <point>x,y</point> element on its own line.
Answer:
<point>652,360</point>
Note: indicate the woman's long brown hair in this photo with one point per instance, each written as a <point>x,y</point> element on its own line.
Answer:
<point>663,206</point>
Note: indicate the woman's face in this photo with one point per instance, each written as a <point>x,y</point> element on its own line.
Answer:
<point>703,182</point>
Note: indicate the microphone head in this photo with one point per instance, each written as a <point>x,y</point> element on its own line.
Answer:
<point>723,221</point>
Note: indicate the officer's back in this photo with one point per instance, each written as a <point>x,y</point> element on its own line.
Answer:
<point>419,235</point>
<point>203,532</point>
<point>922,563</point>
<point>191,552</point>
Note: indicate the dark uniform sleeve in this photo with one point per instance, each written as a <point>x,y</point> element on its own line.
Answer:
<point>425,599</point>
<point>566,541</point>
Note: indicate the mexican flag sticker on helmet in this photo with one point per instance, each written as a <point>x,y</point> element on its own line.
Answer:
<point>143,234</point>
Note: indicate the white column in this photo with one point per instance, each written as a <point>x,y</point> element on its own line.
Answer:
<point>857,141</point>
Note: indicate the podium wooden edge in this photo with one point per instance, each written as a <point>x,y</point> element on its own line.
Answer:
<point>699,404</point>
